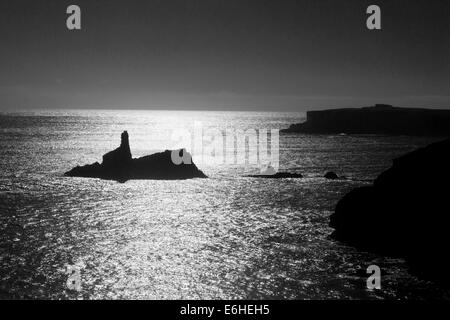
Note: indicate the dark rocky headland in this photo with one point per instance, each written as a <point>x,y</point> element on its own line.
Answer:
<point>378,119</point>
<point>277,175</point>
<point>405,213</point>
<point>119,165</point>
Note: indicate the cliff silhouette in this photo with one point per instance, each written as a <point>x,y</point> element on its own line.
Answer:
<point>119,165</point>
<point>405,213</point>
<point>378,119</point>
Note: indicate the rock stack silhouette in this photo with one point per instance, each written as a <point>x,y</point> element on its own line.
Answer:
<point>119,165</point>
<point>121,155</point>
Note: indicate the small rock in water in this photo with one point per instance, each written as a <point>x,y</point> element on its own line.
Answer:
<point>331,175</point>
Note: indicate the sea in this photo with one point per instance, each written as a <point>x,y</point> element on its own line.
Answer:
<point>225,237</point>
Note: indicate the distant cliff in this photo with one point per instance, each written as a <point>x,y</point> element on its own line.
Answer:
<point>378,119</point>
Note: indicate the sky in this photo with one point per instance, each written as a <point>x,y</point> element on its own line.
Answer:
<point>259,55</point>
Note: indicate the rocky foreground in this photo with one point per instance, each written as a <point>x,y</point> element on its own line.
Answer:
<point>405,213</point>
<point>119,165</point>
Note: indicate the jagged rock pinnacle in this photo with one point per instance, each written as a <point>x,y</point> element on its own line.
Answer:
<point>124,140</point>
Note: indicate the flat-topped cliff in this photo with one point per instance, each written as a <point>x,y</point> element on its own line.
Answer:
<point>378,119</point>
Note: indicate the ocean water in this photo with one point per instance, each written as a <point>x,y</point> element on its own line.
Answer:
<point>225,237</point>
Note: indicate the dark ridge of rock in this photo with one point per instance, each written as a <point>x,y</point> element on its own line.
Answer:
<point>331,175</point>
<point>119,165</point>
<point>378,119</point>
<point>278,175</point>
<point>405,213</point>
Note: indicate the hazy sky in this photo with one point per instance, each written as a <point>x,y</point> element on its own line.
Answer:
<point>224,54</point>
